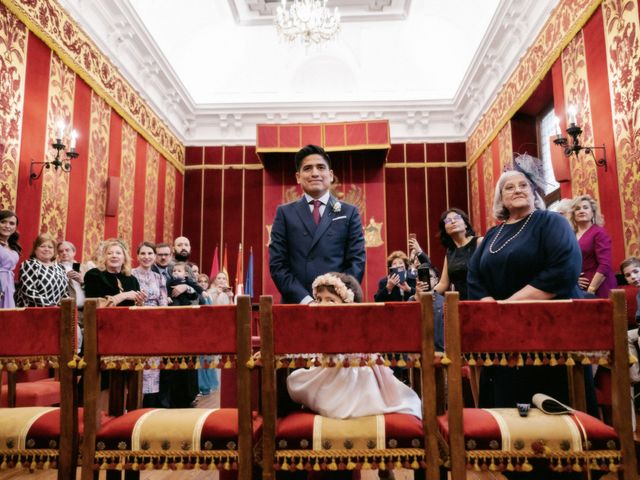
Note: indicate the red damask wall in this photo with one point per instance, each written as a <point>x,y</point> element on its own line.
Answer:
<point>38,90</point>
<point>230,197</point>
<point>596,71</point>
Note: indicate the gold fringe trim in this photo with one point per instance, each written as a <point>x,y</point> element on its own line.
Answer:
<point>493,460</point>
<point>40,362</point>
<point>36,459</point>
<point>552,359</point>
<point>166,460</point>
<point>408,360</point>
<point>179,362</point>
<point>291,460</point>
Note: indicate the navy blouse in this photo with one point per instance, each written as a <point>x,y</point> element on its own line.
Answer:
<point>545,255</point>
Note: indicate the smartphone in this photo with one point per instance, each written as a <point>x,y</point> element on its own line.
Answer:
<point>402,273</point>
<point>424,274</point>
<point>412,236</point>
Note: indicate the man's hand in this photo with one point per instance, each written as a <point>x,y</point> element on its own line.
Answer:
<point>583,282</point>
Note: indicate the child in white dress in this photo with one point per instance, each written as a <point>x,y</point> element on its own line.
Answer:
<point>349,392</point>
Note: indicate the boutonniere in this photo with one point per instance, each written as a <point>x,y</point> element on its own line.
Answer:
<point>337,207</point>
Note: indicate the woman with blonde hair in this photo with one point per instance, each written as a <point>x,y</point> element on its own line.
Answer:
<point>220,291</point>
<point>112,278</point>
<point>597,276</point>
<point>43,282</point>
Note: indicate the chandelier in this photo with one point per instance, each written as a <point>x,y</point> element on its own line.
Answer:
<point>307,21</point>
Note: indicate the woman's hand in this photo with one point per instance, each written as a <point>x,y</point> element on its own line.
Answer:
<point>422,286</point>
<point>404,287</point>
<point>583,282</point>
<point>414,245</point>
<point>392,281</point>
<point>139,298</point>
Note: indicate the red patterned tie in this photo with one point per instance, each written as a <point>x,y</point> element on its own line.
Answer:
<point>316,211</point>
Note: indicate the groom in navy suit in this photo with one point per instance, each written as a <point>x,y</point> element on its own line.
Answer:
<point>316,234</point>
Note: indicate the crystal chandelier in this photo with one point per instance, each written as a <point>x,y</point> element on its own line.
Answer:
<point>307,21</point>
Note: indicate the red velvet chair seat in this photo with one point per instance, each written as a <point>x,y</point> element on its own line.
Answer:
<point>217,433</point>
<point>33,394</point>
<point>483,432</point>
<point>296,431</point>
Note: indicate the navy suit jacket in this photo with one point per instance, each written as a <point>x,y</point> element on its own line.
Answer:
<point>300,250</point>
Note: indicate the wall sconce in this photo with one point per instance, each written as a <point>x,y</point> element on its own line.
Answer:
<point>57,163</point>
<point>574,131</point>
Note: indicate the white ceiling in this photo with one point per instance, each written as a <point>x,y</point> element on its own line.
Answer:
<point>213,69</point>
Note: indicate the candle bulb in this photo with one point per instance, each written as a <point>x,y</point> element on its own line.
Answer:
<point>60,126</point>
<point>572,111</point>
<point>74,138</point>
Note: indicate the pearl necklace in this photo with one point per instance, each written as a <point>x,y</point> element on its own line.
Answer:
<point>491,250</point>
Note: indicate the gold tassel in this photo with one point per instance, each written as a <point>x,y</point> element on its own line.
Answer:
<point>445,360</point>
<point>33,465</point>
<point>196,365</point>
<point>350,464</point>
<point>196,466</point>
<point>111,365</point>
<point>415,465</point>
<point>472,361</point>
<point>227,364</point>
<point>179,465</point>
<point>139,366</point>
<point>576,466</point>
<point>81,363</point>
<point>26,365</point>
<point>476,465</point>
<point>119,465</point>
<point>520,361</point>
<point>103,465</point>
<point>401,362</point>
<point>632,359</point>
<point>509,467</point>
<point>570,361</point>
<point>417,363</point>
<point>536,360</point>
<point>3,465</point>
<point>486,362</point>
<point>398,464</point>
<point>165,465</point>
<point>526,466</point>
<point>503,360</point>
<point>333,466</point>
<point>553,361</point>
<point>19,465</point>
<point>603,361</point>
<point>278,364</point>
<point>586,360</point>
<point>612,466</point>
<point>12,366</point>
<point>73,363</point>
<point>251,363</point>
<point>227,464</point>
<point>135,466</point>
<point>316,466</point>
<point>285,465</point>
<point>300,465</point>
<point>212,465</point>
<point>366,465</point>
<point>183,364</point>
<point>169,365</point>
<point>125,365</point>
<point>492,465</point>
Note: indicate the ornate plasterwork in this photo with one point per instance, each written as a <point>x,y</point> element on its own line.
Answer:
<point>49,21</point>
<point>123,36</point>
<point>566,20</point>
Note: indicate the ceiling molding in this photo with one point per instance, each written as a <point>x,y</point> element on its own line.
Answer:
<point>118,30</point>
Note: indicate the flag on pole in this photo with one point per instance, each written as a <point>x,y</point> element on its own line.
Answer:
<point>248,283</point>
<point>223,267</point>
<point>239,273</point>
<point>215,264</point>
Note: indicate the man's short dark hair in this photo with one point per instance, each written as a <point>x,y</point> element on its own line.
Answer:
<point>304,152</point>
<point>162,245</point>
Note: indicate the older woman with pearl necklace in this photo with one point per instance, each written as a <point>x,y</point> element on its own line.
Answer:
<point>532,254</point>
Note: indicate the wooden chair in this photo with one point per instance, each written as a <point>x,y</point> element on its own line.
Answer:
<point>556,333</point>
<point>176,439</point>
<point>295,441</point>
<point>39,437</point>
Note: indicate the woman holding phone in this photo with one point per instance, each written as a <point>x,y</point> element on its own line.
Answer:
<point>398,286</point>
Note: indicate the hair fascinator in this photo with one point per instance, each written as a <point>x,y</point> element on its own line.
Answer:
<point>532,168</point>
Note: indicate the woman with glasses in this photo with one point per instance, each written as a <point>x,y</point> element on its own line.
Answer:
<point>460,240</point>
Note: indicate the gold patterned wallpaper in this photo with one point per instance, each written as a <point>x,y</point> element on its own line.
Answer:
<point>475,196</point>
<point>151,194</point>
<point>55,183</point>
<point>127,183</point>
<point>96,194</point>
<point>13,61</point>
<point>169,205</point>
<point>505,147</point>
<point>584,178</point>
<point>488,184</point>
<point>622,34</point>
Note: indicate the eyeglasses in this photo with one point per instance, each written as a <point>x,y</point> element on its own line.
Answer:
<point>511,188</point>
<point>452,219</point>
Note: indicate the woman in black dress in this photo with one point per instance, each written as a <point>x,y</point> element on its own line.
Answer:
<point>112,278</point>
<point>460,240</point>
